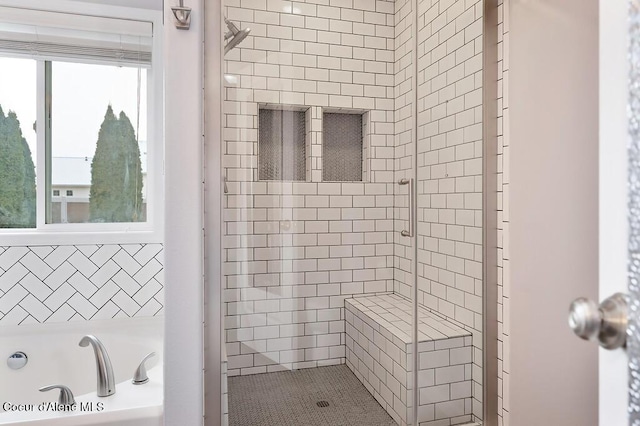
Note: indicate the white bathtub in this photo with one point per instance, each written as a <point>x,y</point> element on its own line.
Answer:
<point>55,358</point>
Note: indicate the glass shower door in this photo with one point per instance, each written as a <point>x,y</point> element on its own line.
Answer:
<point>309,158</point>
<point>353,216</point>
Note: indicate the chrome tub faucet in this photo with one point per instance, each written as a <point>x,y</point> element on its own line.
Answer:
<point>104,369</point>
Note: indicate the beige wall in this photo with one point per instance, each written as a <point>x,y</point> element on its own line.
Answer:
<point>551,242</point>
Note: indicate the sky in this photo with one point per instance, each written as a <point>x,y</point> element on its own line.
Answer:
<point>80,93</point>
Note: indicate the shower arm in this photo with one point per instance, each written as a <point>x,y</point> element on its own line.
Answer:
<point>234,36</point>
<point>233,30</point>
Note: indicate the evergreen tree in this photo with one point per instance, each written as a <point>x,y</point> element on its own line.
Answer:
<point>29,201</point>
<point>116,172</point>
<point>17,176</point>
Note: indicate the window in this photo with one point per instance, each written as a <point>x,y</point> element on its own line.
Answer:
<point>76,112</point>
<point>98,140</point>
<point>18,109</point>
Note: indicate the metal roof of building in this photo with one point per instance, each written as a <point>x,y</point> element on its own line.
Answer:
<point>76,171</point>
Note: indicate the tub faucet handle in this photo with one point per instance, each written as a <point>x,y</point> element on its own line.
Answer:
<point>66,396</point>
<point>140,376</point>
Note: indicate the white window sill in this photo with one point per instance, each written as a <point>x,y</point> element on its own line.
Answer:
<point>36,237</point>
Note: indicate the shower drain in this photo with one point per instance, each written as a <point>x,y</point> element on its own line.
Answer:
<point>322,404</point>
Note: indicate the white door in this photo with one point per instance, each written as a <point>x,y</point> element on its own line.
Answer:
<point>613,193</point>
<point>616,95</point>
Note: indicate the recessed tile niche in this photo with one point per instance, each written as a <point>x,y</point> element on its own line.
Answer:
<point>342,147</point>
<point>282,144</point>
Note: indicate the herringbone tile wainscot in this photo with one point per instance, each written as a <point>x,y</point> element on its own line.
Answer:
<point>83,282</point>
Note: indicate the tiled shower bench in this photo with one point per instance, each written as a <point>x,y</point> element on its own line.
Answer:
<point>378,337</point>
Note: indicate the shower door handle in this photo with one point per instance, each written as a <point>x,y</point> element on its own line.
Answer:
<point>409,233</point>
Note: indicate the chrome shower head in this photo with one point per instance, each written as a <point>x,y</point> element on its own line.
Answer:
<point>235,36</point>
<point>237,39</point>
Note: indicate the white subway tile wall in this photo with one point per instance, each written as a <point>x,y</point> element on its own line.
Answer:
<point>449,233</point>
<point>41,284</point>
<point>225,392</point>
<point>295,250</point>
<point>404,148</point>
<point>503,213</point>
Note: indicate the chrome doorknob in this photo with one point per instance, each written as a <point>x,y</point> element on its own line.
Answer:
<point>607,322</point>
<point>585,318</point>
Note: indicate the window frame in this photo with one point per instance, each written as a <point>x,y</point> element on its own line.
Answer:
<point>151,231</point>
